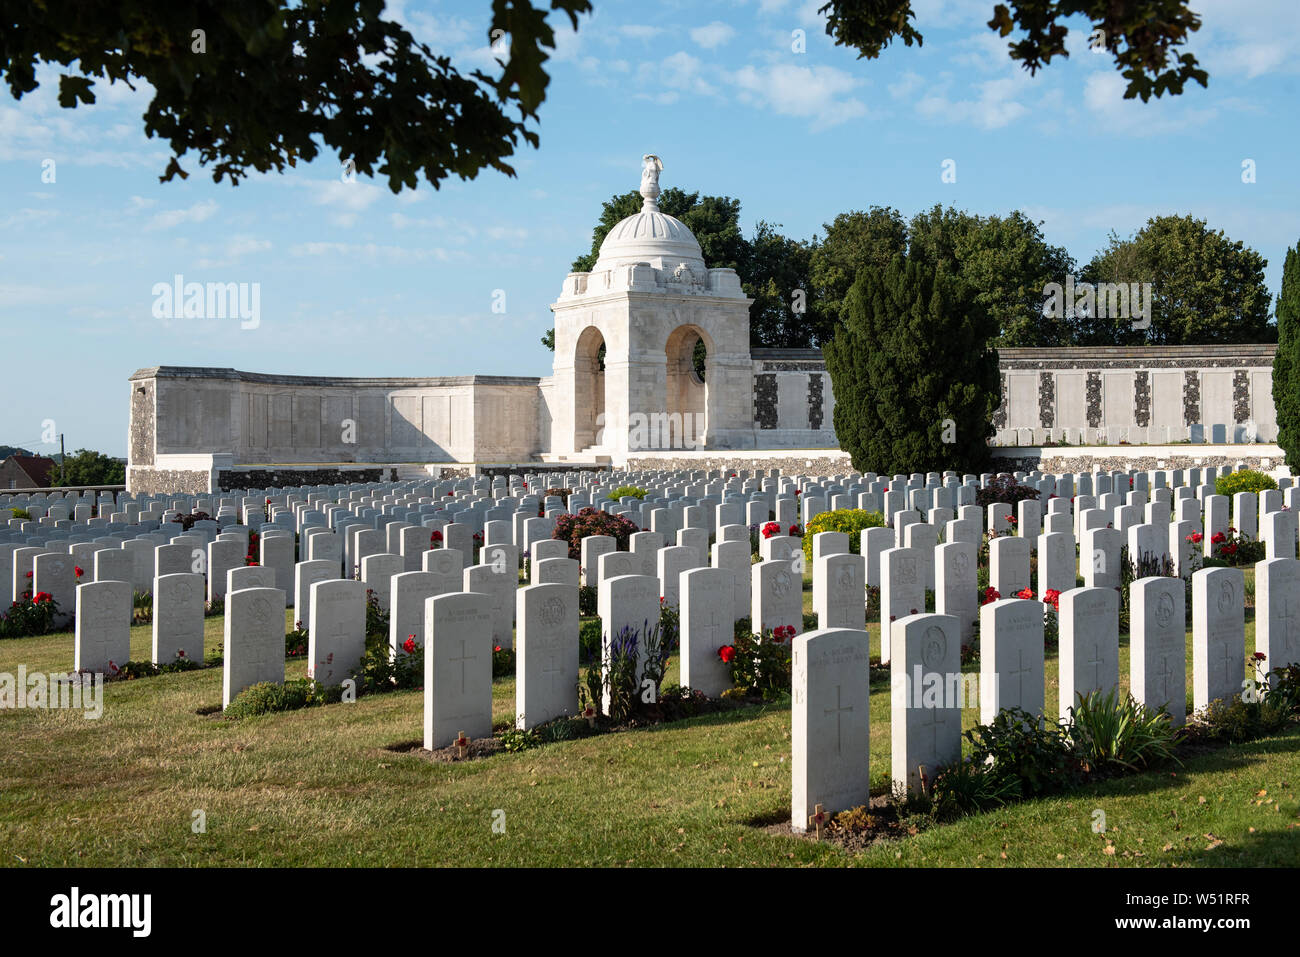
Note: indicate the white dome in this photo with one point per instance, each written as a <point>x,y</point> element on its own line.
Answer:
<point>651,236</point>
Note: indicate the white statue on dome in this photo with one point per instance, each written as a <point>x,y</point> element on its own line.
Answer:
<point>650,167</point>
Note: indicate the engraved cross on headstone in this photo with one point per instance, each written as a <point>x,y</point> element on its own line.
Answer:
<point>1289,633</point>
<point>838,711</point>
<point>1163,675</point>
<point>1096,662</point>
<point>1019,673</point>
<point>553,669</point>
<point>462,659</point>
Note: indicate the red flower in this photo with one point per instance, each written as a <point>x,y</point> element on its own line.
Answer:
<point>990,594</point>
<point>770,529</point>
<point>1025,593</point>
<point>1259,656</point>
<point>794,530</point>
<point>408,645</point>
<point>78,569</point>
<point>1195,538</point>
<point>1229,549</point>
<point>1052,597</point>
<point>726,653</point>
<point>1218,537</point>
<point>29,575</point>
<point>496,648</point>
<point>435,538</point>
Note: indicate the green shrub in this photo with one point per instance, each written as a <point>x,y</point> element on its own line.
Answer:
<point>1008,491</point>
<point>968,787</point>
<point>1266,705</point>
<point>587,599</point>
<point>1247,480</point>
<point>1033,756</point>
<point>849,520</point>
<point>592,521</point>
<point>514,739</point>
<point>1106,731</point>
<point>622,490</point>
<point>589,641</point>
<point>266,697</point>
<point>503,663</point>
<point>23,514</point>
<point>29,616</point>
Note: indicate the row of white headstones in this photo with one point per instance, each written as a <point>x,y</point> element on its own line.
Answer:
<point>548,609</point>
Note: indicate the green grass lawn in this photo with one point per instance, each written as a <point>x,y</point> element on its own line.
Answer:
<point>321,787</point>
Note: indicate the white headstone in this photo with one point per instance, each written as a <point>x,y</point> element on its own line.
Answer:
<point>457,668</point>
<point>336,640</point>
<point>829,722</point>
<point>1011,657</point>
<point>253,650</point>
<point>1157,645</point>
<point>546,662</point>
<point>1218,634</point>
<point>1277,611</point>
<point>178,618</point>
<point>102,634</point>
<point>924,714</point>
<point>1089,644</point>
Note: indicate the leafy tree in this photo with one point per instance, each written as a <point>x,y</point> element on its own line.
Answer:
<point>258,84</point>
<point>914,377</point>
<point>85,467</point>
<point>775,274</point>
<point>853,240</point>
<point>1142,36</point>
<point>1205,288</point>
<point>1286,363</point>
<point>8,450</point>
<point>1006,261</point>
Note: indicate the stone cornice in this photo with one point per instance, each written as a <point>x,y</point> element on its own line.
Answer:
<point>341,382</point>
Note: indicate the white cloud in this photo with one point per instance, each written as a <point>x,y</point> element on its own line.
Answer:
<point>712,35</point>
<point>1103,95</point>
<point>907,84</point>
<point>819,93</point>
<point>176,217</point>
<point>371,252</point>
<point>675,74</point>
<point>639,31</point>
<point>994,107</point>
<point>1250,43</point>
<point>245,245</point>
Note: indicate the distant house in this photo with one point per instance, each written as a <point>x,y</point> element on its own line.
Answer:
<point>26,471</point>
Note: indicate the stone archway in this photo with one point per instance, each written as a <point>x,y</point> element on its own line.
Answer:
<point>686,388</point>
<point>588,389</point>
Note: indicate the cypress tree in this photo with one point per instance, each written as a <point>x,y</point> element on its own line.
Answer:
<point>914,374</point>
<point>1286,363</point>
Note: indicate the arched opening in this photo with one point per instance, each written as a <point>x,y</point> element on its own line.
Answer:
<point>687,355</point>
<point>589,388</point>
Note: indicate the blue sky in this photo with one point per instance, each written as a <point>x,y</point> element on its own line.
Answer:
<point>357,281</point>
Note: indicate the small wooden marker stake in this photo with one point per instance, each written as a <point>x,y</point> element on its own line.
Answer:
<point>462,745</point>
<point>818,821</point>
